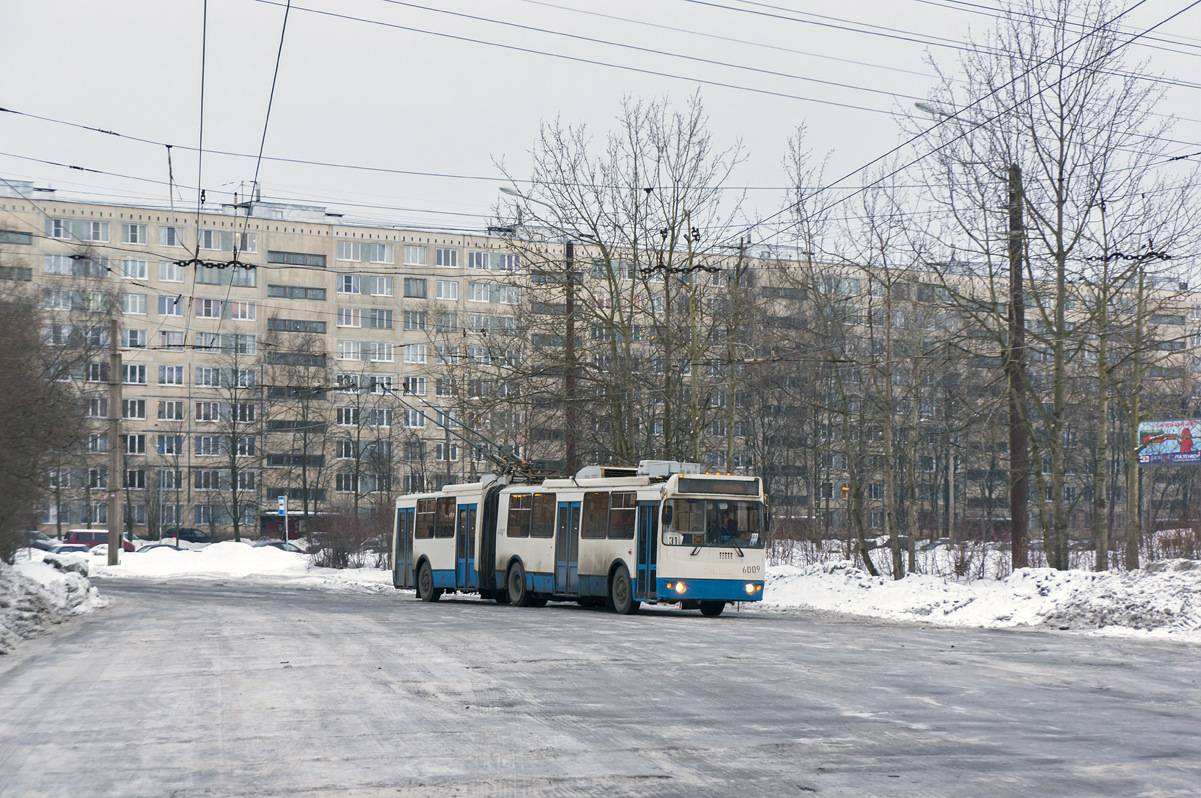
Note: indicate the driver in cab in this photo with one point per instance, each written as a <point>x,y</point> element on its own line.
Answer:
<point>722,527</point>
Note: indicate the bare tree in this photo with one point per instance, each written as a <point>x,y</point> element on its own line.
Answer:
<point>41,418</point>
<point>1050,93</point>
<point>643,215</point>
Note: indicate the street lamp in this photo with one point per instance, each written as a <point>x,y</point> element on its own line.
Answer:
<point>1015,364</point>
<point>569,380</point>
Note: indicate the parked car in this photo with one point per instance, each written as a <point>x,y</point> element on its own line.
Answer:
<point>150,546</point>
<point>279,544</point>
<point>188,533</point>
<point>39,540</point>
<point>70,548</point>
<point>94,537</point>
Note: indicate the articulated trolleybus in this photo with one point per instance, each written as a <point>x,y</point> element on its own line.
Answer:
<point>661,533</point>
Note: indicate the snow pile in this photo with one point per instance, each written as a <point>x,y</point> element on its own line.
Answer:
<point>230,560</point>
<point>35,594</point>
<point>1163,599</point>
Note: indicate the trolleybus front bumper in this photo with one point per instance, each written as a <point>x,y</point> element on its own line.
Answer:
<point>709,590</point>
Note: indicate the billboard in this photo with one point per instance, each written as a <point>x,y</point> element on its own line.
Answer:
<point>1169,442</point>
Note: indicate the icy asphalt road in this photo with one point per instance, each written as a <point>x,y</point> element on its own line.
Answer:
<point>210,689</point>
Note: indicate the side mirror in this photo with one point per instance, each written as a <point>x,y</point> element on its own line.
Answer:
<point>667,514</point>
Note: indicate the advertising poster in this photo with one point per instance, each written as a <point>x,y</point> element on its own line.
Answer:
<point>1169,442</point>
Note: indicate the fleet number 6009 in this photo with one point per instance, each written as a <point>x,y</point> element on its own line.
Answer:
<point>750,569</point>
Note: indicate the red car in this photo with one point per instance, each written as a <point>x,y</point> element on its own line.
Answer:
<point>94,537</point>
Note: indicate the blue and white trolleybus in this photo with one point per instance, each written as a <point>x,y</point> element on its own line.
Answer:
<point>661,533</point>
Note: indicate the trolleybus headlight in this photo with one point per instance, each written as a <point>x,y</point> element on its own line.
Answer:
<point>750,588</point>
<point>680,587</point>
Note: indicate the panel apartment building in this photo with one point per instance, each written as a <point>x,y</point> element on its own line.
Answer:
<point>219,357</point>
<point>297,354</point>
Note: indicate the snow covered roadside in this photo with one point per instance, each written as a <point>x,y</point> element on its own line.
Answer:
<point>231,560</point>
<point>39,592</point>
<point>1162,600</point>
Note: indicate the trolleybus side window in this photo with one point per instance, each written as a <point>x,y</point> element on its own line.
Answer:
<point>621,516</point>
<point>445,522</point>
<point>596,515</point>
<point>424,526</point>
<point>542,524</point>
<point>519,515</point>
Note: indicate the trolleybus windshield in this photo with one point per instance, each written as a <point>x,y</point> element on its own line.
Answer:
<point>714,522</point>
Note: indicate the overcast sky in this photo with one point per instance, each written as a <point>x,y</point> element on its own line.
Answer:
<point>450,88</point>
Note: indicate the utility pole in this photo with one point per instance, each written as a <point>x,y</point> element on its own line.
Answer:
<point>1016,366</point>
<point>569,404</point>
<point>115,475</point>
<point>693,368</point>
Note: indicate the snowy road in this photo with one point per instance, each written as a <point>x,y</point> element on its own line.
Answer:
<point>232,689</point>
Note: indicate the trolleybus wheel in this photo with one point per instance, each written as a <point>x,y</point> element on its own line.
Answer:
<point>621,594</point>
<point>712,609</point>
<point>425,584</point>
<point>518,595</point>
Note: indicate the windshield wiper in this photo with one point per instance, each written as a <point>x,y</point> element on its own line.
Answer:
<point>739,550</point>
<point>695,552</point>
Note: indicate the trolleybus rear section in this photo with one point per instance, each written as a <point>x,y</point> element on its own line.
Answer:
<point>662,533</point>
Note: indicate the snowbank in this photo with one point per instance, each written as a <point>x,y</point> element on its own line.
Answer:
<point>1162,600</point>
<point>239,561</point>
<point>42,591</point>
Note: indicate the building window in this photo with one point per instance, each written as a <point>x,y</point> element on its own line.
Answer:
<point>133,303</point>
<point>208,308</point>
<point>133,269</point>
<point>445,386</point>
<point>414,419</point>
<point>377,319</point>
<point>207,445</point>
<point>243,310</point>
<point>133,373</point>
<point>414,319</point>
<point>505,262</point>
<point>414,255</point>
<point>415,287</point>
<point>295,292</point>
<point>133,234</point>
<point>97,442</point>
<point>170,340</point>
<point>447,289</point>
<point>170,236</point>
<point>477,260</point>
<point>208,411</point>
<point>447,258</point>
<point>441,450</point>
<point>135,479</point>
<point>224,241</point>
<point>134,444</point>
<point>170,305</point>
<point>414,353</point>
<point>170,410</point>
<point>133,409</point>
<point>350,350</point>
<point>348,284</point>
<point>378,286</point>
<point>379,352</point>
<point>348,416</point>
<point>170,375</point>
<point>170,272</point>
<point>133,339</point>
<point>295,258</point>
<point>414,385</point>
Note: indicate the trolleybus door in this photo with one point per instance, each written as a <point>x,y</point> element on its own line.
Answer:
<point>465,574</point>
<point>403,576</point>
<point>648,549</point>
<point>567,549</point>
